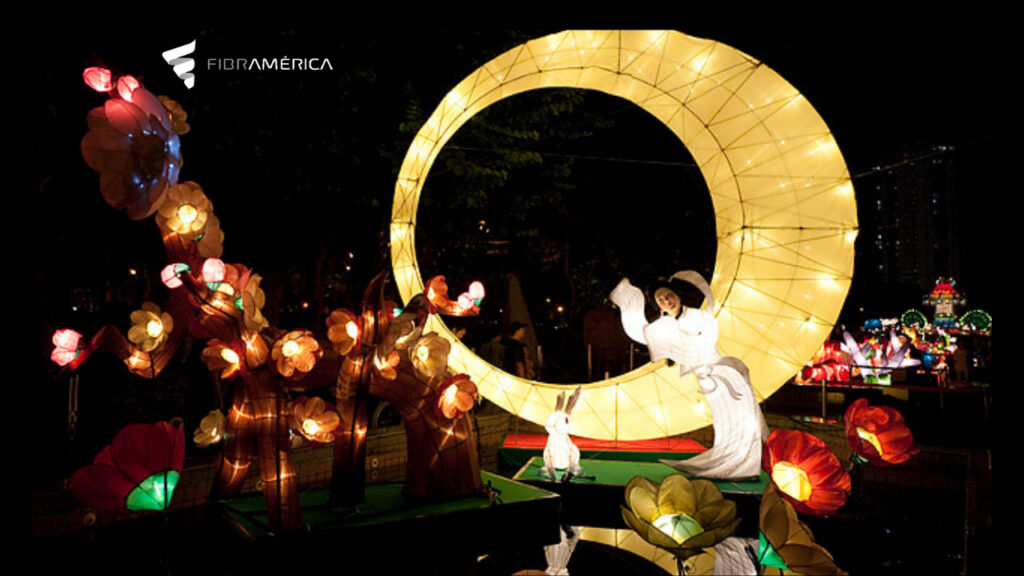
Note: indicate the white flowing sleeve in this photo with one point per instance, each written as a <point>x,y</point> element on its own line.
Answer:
<point>630,301</point>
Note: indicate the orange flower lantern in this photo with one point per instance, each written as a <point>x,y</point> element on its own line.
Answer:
<point>296,353</point>
<point>456,396</point>
<point>805,471</point>
<point>878,434</point>
<point>314,419</point>
<point>343,330</point>
<point>221,357</point>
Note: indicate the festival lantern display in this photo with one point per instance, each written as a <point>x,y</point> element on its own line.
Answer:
<point>134,138</point>
<point>875,358</point>
<point>786,543</point>
<point>830,364</point>
<point>680,515</point>
<point>878,434</point>
<point>806,472</point>
<point>139,470</point>
<point>784,206</point>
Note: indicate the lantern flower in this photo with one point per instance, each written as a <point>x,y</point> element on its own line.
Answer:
<point>429,356</point>
<point>210,241</point>
<point>386,366</point>
<point>210,430</point>
<point>214,271</point>
<point>150,327</point>
<point>436,292</point>
<point>680,515</point>
<point>138,470</point>
<point>65,344</point>
<point>343,330</point>
<point>220,357</point>
<point>171,274</point>
<point>99,79</point>
<point>185,210</point>
<point>455,396</point>
<point>787,543</point>
<point>178,115</point>
<point>313,418</point>
<point>253,299</point>
<point>132,144</point>
<point>806,472</point>
<point>878,434</point>
<point>296,353</point>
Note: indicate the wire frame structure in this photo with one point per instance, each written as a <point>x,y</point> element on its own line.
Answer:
<point>785,212</point>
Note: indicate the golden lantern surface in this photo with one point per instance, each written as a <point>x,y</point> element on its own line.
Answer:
<point>784,206</point>
<point>150,327</point>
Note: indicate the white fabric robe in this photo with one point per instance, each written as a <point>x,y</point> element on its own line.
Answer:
<point>692,342</point>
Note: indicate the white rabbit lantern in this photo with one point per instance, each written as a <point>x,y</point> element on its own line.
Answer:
<point>560,452</point>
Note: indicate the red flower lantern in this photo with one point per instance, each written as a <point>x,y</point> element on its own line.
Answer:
<point>878,434</point>
<point>806,472</point>
<point>138,470</point>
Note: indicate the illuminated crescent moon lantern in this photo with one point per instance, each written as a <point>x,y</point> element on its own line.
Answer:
<point>785,213</point>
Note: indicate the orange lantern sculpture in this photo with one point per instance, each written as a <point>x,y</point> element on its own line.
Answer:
<point>806,472</point>
<point>878,434</point>
<point>133,139</point>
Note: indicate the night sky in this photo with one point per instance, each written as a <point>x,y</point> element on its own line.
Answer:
<point>292,161</point>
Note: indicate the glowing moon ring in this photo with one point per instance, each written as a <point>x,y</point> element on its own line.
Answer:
<point>784,206</point>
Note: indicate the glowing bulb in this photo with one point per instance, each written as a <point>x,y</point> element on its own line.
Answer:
<point>187,213</point>
<point>154,328</point>
<point>310,427</point>
<point>679,527</point>
<point>450,392</point>
<point>791,480</point>
<point>422,352</point>
<point>229,355</point>
<point>290,348</point>
<point>352,330</point>
<point>870,439</point>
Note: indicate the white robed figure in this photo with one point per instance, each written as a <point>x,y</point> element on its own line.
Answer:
<point>689,336</point>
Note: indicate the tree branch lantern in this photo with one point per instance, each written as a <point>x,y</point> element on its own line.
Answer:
<point>133,139</point>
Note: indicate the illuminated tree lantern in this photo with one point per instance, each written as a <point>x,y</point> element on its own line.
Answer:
<point>99,79</point>
<point>65,344</point>
<point>296,353</point>
<point>429,356</point>
<point>210,430</point>
<point>150,327</point>
<point>139,362</point>
<point>171,273</point>
<point>680,515</point>
<point>456,396</point>
<point>256,349</point>
<point>185,210</point>
<point>139,470</point>
<point>132,144</point>
<point>878,434</point>
<point>787,543</point>
<point>343,330</point>
<point>218,356</point>
<point>314,419</point>
<point>805,471</point>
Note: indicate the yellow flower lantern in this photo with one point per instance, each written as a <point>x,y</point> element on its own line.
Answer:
<point>343,330</point>
<point>210,430</point>
<point>313,419</point>
<point>218,356</point>
<point>185,210</point>
<point>429,356</point>
<point>150,327</point>
<point>253,299</point>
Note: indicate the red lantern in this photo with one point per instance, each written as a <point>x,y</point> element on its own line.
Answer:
<point>138,470</point>
<point>805,471</point>
<point>878,434</point>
